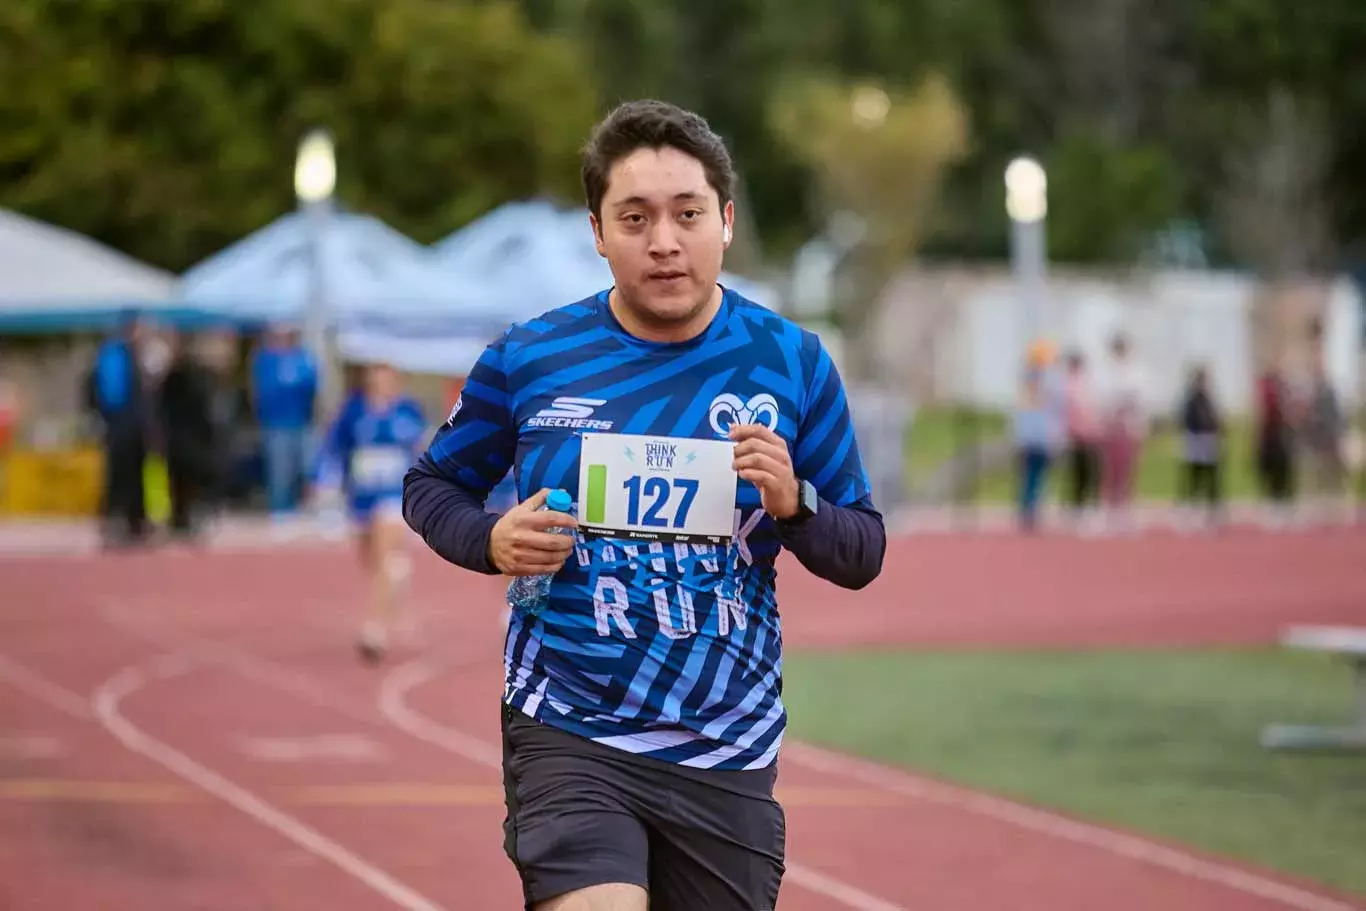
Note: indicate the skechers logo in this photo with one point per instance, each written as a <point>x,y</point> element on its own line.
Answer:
<point>572,413</point>
<point>728,409</point>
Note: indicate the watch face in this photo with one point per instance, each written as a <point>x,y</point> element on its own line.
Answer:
<point>809,498</point>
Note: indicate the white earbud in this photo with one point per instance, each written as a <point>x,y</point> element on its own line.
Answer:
<point>725,233</point>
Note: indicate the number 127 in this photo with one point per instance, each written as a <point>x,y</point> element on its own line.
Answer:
<point>662,492</point>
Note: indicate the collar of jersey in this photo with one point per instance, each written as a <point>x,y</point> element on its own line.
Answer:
<point>712,332</point>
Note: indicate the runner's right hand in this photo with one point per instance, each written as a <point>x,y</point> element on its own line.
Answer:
<point>524,543</point>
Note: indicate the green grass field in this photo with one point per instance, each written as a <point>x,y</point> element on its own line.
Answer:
<point>933,439</point>
<point>1163,743</point>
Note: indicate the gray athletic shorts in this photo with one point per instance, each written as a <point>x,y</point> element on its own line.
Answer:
<point>581,814</point>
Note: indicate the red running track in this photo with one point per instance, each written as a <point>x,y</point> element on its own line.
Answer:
<point>191,731</point>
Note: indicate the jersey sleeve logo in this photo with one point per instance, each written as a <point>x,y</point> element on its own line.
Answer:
<point>728,409</point>
<point>455,409</point>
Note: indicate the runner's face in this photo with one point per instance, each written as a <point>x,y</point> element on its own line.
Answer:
<point>662,233</point>
<point>381,381</point>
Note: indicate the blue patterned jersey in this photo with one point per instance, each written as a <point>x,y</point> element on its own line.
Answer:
<point>668,649</point>
<point>367,451</point>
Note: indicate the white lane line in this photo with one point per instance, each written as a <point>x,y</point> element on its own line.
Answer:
<point>44,690</point>
<point>1046,823</point>
<point>107,699</point>
<point>396,713</point>
<point>393,704</point>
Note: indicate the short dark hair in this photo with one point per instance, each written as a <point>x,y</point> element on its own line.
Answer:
<point>651,124</point>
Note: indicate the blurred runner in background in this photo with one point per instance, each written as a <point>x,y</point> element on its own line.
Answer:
<point>367,450</point>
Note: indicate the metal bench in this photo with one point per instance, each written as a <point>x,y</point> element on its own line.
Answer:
<point>1348,643</point>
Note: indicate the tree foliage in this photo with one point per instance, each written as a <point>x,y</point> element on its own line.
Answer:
<point>168,127</point>
<point>879,156</point>
<point>1112,197</point>
<point>875,153</point>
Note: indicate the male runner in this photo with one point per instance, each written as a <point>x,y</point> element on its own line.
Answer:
<point>698,434</point>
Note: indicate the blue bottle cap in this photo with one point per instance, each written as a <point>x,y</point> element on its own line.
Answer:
<point>559,501</point>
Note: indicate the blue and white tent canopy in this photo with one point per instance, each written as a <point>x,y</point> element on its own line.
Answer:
<point>385,297</point>
<point>541,257</point>
<point>54,280</point>
<point>363,268</point>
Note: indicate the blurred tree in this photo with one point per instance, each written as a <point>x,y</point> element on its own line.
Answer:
<point>1278,104</point>
<point>1165,86</point>
<point>1108,197</point>
<point>634,45</point>
<point>738,63</point>
<point>1274,204</point>
<point>718,57</point>
<point>880,156</point>
<point>168,127</point>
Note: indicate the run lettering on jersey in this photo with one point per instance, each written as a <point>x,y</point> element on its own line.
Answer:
<point>662,635</point>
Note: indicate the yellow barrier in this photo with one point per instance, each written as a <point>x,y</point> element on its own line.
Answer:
<point>58,483</point>
<point>156,490</point>
<point>71,483</point>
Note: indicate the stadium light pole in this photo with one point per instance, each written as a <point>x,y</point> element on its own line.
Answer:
<point>1027,206</point>
<point>315,180</point>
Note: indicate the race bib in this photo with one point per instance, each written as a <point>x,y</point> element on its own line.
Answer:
<point>656,488</point>
<point>379,466</point>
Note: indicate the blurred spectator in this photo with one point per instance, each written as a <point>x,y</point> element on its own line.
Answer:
<point>1275,464</point>
<point>229,415</point>
<point>1202,445</point>
<point>1321,436</point>
<point>116,393</point>
<point>1124,424</point>
<point>156,355</point>
<point>284,382</point>
<point>1038,431</point>
<point>191,441</point>
<point>1083,437</point>
<point>9,412</point>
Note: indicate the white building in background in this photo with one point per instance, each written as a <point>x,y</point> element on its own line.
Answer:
<point>957,334</point>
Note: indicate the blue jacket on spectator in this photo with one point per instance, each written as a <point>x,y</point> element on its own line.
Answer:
<point>285,383</point>
<point>115,391</point>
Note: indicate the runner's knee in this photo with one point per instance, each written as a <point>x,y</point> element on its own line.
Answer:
<point>607,897</point>
<point>397,566</point>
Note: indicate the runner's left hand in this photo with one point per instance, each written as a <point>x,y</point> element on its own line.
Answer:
<point>761,457</point>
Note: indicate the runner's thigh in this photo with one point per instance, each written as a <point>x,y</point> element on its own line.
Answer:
<point>718,847</point>
<point>570,821</point>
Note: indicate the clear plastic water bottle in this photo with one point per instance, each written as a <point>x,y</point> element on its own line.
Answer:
<point>529,594</point>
